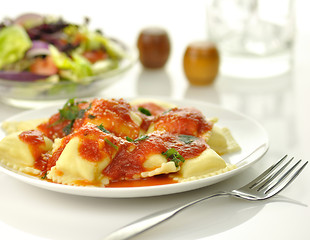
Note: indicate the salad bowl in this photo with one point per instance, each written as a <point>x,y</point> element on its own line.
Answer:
<point>46,59</point>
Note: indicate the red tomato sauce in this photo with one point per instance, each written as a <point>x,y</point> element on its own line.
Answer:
<point>90,150</point>
<point>114,115</point>
<point>187,121</point>
<point>144,182</point>
<point>153,108</point>
<point>35,141</point>
<point>95,145</point>
<point>53,128</point>
<point>51,162</point>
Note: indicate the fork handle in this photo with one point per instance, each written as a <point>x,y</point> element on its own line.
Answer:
<point>152,220</point>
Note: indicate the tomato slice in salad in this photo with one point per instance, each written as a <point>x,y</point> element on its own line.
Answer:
<point>44,66</point>
<point>95,55</point>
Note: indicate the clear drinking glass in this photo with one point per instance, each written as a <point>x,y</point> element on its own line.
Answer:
<point>255,37</point>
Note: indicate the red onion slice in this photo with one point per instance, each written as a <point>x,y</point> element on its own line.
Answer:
<point>29,20</point>
<point>38,48</point>
<point>21,76</point>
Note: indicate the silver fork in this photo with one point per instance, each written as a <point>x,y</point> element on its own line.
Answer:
<point>266,185</point>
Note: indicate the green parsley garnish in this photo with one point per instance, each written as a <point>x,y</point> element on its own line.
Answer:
<point>144,111</point>
<point>111,144</point>
<point>173,155</point>
<point>141,138</point>
<point>129,139</point>
<point>67,129</point>
<point>169,110</point>
<point>71,111</point>
<point>101,127</point>
<point>187,139</point>
<point>90,116</point>
<point>44,176</point>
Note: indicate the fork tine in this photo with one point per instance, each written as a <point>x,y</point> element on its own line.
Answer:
<point>285,180</point>
<point>268,180</point>
<point>265,174</point>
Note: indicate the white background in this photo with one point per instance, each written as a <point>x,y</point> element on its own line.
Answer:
<point>280,104</point>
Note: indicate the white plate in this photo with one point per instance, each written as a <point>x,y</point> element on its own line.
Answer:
<point>250,135</point>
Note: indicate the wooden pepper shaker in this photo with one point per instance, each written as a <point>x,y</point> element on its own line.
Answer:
<point>201,62</point>
<point>154,47</point>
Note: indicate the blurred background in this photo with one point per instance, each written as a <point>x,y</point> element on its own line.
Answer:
<point>185,21</point>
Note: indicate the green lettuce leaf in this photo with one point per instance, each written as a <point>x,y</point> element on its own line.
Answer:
<point>75,69</point>
<point>14,42</point>
<point>94,40</point>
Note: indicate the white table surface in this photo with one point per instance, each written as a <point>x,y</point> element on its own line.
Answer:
<point>281,105</point>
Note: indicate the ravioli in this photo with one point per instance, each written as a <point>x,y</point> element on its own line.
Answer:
<point>19,126</point>
<point>207,162</point>
<point>116,116</point>
<point>21,154</point>
<point>103,141</point>
<point>164,168</point>
<point>187,121</point>
<point>71,168</point>
<point>82,156</point>
<point>221,141</point>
